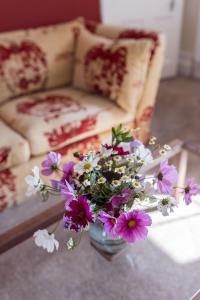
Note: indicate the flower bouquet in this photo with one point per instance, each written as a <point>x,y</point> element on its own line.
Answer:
<point>109,187</point>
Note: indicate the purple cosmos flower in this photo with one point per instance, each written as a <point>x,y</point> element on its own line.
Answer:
<point>50,164</point>
<point>67,191</point>
<point>109,223</point>
<point>166,177</point>
<point>68,171</point>
<point>131,226</point>
<point>190,190</point>
<point>78,215</point>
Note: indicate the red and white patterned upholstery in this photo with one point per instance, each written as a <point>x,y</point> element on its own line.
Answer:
<point>114,69</point>
<point>36,59</point>
<point>61,117</point>
<point>145,107</point>
<point>13,148</point>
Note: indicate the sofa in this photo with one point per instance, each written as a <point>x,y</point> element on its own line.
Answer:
<point>43,108</point>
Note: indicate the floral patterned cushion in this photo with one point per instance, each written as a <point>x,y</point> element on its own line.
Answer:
<point>36,59</point>
<point>8,145</point>
<point>53,119</point>
<point>115,69</point>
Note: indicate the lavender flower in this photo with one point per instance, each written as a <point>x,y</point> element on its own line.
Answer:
<point>190,190</point>
<point>51,164</point>
<point>166,177</point>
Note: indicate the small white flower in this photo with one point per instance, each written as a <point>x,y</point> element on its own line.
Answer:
<point>162,152</point>
<point>125,178</point>
<point>136,184</point>
<point>34,182</point>
<point>167,147</point>
<point>166,205</point>
<point>86,183</point>
<point>105,152</point>
<point>115,183</point>
<point>101,180</point>
<point>45,240</point>
<point>109,163</point>
<point>70,244</point>
<point>141,161</point>
<point>98,167</point>
<point>117,158</point>
<point>130,159</point>
<point>120,170</point>
<point>87,165</point>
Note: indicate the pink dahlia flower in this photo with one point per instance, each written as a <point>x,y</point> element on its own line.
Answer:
<point>51,164</point>
<point>166,177</point>
<point>190,190</point>
<point>131,226</point>
<point>109,223</point>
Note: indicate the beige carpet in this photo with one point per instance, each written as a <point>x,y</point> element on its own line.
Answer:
<point>165,267</point>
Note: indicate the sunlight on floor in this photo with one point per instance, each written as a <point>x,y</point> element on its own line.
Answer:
<point>179,234</point>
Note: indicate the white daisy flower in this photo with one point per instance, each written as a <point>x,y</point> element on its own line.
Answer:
<point>115,183</point>
<point>120,170</point>
<point>87,165</point>
<point>167,147</point>
<point>137,184</point>
<point>162,152</point>
<point>35,183</point>
<point>130,159</point>
<point>109,163</point>
<point>117,158</point>
<point>125,178</point>
<point>45,240</point>
<point>98,167</point>
<point>101,180</point>
<point>166,205</point>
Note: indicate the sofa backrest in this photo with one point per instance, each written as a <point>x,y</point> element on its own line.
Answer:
<point>36,59</point>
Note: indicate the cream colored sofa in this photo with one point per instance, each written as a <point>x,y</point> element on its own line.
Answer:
<point>41,111</point>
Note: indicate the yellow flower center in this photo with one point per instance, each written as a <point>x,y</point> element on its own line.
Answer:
<point>131,223</point>
<point>87,166</point>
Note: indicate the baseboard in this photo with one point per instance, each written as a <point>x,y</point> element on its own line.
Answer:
<point>186,61</point>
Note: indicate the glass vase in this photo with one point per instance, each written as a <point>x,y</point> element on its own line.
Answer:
<point>103,242</point>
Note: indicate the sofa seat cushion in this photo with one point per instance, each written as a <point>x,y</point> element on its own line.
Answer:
<point>14,149</point>
<point>53,119</point>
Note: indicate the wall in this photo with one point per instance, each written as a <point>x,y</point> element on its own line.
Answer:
<point>190,51</point>
<point>16,14</point>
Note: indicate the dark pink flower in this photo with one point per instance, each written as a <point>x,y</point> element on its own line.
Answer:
<point>131,226</point>
<point>190,190</point>
<point>51,164</point>
<point>109,223</point>
<point>78,214</point>
<point>166,177</point>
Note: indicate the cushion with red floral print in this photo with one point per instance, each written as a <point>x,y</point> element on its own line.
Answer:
<point>114,69</point>
<point>9,142</point>
<point>36,59</point>
<point>54,119</point>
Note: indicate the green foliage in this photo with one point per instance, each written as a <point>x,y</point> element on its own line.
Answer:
<point>119,135</point>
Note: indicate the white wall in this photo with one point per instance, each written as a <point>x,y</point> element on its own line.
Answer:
<point>190,39</point>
